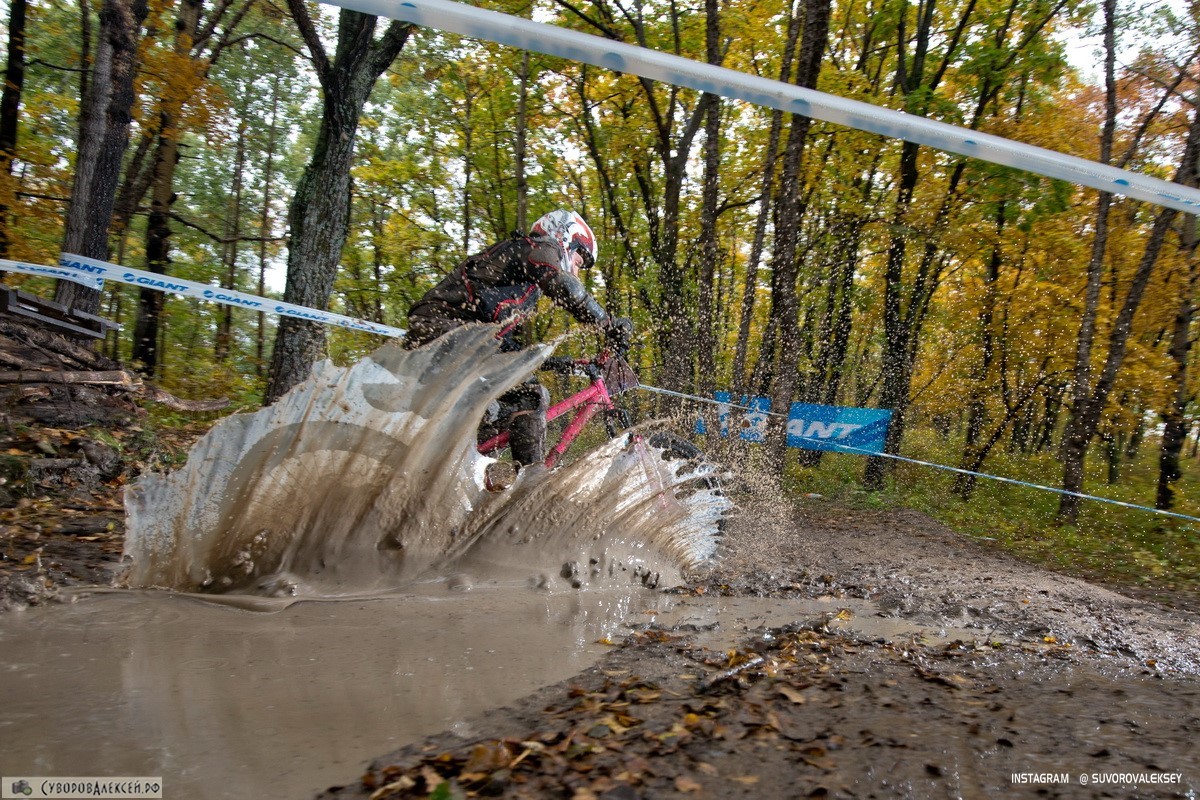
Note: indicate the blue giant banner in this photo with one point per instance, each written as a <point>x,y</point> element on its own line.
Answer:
<point>837,429</point>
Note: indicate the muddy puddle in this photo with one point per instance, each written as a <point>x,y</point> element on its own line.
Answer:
<point>226,702</point>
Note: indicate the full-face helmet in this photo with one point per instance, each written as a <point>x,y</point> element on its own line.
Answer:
<point>573,235</point>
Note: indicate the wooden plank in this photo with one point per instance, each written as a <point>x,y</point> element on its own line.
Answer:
<point>55,315</point>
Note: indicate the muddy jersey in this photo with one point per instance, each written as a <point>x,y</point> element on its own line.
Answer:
<point>502,284</point>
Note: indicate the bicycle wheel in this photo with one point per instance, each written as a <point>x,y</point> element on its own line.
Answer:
<point>674,446</point>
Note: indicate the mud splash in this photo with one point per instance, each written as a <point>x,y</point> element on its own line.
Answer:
<point>366,479</point>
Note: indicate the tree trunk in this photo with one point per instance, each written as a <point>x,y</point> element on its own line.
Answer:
<point>519,146</point>
<point>706,311</point>
<point>233,233</point>
<point>320,209</point>
<point>784,303</point>
<point>10,110</point>
<point>1085,419</point>
<point>264,227</point>
<point>158,223</point>
<point>896,349</point>
<point>103,136</point>
<point>750,290</point>
<point>1175,425</point>
<point>982,369</point>
<point>1074,444</point>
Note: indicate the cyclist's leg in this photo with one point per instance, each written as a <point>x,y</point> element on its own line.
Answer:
<point>525,408</point>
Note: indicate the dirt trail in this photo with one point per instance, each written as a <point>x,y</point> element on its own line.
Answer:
<point>1000,678</point>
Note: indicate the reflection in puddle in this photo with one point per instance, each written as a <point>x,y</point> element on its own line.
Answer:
<point>228,703</point>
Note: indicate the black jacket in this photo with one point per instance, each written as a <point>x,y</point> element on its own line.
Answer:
<point>503,284</point>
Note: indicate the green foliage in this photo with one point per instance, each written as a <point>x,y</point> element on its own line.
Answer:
<point>1121,546</point>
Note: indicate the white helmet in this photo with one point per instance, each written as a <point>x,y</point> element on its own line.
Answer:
<point>572,234</point>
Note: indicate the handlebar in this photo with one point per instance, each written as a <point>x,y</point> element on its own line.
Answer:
<point>607,364</point>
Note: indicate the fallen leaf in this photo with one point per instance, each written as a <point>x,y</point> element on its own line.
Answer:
<point>403,784</point>
<point>791,693</point>
<point>685,784</point>
<point>488,757</point>
<point>706,768</point>
<point>748,780</point>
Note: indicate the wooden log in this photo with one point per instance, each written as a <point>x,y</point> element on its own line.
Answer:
<point>179,404</point>
<point>107,377</point>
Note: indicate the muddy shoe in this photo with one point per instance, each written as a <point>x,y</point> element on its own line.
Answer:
<point>499,476</point>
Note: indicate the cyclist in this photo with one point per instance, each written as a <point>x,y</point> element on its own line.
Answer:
<point>502,285</point>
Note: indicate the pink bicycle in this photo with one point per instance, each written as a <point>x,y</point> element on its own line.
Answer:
<point>609,376</point>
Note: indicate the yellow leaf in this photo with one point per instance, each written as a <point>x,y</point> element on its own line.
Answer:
<point>488,757</point>
<point>686,784</point>
<point>749,780</point>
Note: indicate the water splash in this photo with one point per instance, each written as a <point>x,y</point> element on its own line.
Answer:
<point>366,478</point>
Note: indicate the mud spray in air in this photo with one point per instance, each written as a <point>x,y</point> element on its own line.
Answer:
<point>366,479</point>
<point>352,510</point>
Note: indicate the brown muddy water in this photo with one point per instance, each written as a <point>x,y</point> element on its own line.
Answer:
<point>225,702</point>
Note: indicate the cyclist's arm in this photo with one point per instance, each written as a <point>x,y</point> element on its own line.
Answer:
<point>562,287</point>
<point>568,291</point>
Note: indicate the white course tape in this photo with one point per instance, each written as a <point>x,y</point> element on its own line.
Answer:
<point>620,57</point>
<point>92,273</point>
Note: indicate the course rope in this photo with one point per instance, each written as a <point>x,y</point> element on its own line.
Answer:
<point>932,465</point>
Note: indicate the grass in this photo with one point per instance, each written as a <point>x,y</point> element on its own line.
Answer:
<point>1133,549</point>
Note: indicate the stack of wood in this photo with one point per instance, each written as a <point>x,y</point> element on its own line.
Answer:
<point>49,379</point>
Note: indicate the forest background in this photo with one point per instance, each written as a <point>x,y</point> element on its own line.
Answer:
<point>1016,325</point>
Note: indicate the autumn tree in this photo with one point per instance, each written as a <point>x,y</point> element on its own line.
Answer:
<point>10,102</point>
<point>104,122</point>
<point>321,205</point>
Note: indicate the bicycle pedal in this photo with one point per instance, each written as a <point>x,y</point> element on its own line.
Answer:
<point>498,476</point>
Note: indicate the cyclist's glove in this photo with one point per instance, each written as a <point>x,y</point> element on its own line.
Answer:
<point>618,333</point>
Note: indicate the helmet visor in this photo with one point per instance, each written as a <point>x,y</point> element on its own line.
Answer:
<point>584,251</point>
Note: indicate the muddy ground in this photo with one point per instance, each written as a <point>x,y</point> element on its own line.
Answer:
<point>942,669</point>
<point>995,673</point>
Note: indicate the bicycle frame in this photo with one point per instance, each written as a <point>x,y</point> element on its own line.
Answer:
<point>589,401</point>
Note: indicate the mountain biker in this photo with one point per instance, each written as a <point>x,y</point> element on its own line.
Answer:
<point>502,285</point>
